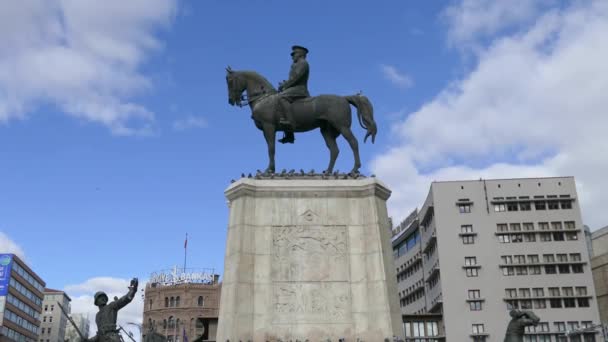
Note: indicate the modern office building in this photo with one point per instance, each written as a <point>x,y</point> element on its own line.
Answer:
<point>82,322</point>
<point>21,295</point>
<point>53,325</point>
<point>478,249</point>
<point>178,304</point>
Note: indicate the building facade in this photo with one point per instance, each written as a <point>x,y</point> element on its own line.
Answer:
<point>478,249</point>
<point>82,322</point>
<point>176,308</point>
<point>53,321</point>
<point>599,264</point>
<point>21,296</point>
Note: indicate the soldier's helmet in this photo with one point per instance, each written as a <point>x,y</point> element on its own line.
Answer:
<point>98,295</point>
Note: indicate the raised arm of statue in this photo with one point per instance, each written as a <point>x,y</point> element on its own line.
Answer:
<point>298,70</point>
<point>126,299</point>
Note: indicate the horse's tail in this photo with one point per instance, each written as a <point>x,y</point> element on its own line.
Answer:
<point>365,114</point>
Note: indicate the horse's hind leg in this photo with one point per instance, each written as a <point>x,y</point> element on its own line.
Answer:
<point>330,134</point>
<point>354,145</point>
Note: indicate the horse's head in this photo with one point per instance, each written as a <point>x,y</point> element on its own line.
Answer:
<point>236,86</point>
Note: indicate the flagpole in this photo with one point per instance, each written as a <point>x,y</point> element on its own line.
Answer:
<point>185,251</point>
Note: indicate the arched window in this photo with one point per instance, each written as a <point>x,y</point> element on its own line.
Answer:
<point>165,324</point>
<point>171,322</point>
<point>150,305</point>
<point>177,301</point>
<point>172,302</point>
<point>200,301</point>
<point>177,323</point>
<point>166,301</point>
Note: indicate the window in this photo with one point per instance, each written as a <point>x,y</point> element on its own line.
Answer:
<point>164,324</point>
<point>166,302</point>
<point>540,303</point>
<point>581,291</point>
<point>478,329</point>
<point>540,205</point>
<point>550,269</point>
<point>516,227</point>
<point>548,258</point>
<point>571,236</point>
<point>464,208</point>
<point>562,257</point>
<point>543,225</point>
<point>566,205</point>
<point>475,305</point>
<point>502,227</point>
<point>177,300</point>
<point>534,270</point>
<point>46,308</point>
<point>507,259</point>
<point>563,269</point>
<point>538,292</point>
<point>49,331</point>
<point>521,270</point>
<point>583,302</point>
<point>172,302</point>
<point>569,303</point>
<point>525,206</point>
<point>575,257</point>
<point>472,272</point>
<point>554,291</point>
<point>524,293</point>
<point>468,239</point>
<point>533,258</point>
<point>530,238</point>
<point>44,319</point>
<point>467,228</point>
<point>555,303</point>
<point>517,238</point>
<point>560,326</point>
<point>508,271</point>
<point>470,261</point>
<point>474,294</point>
<point>171,322</point>
<point>200,301</point>
<point>51,319</point>
<point>577,268</point>
<point>545,237</point>
<point>570,225</point>
<point>500,207</point>
<point>558,236</point>
<point>512,304</point>
<point>52,307</point>
<point>504,238</point>
<point>511,293</point>
<point>150,305</point>
<point>512,206</point>
<point>526,304</point>
<point>528,226</point>
<point>43,330</point>
<point>556,226</point>
<point>519,259</point>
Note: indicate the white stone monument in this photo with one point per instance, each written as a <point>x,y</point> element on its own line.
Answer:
<point>308,259</point>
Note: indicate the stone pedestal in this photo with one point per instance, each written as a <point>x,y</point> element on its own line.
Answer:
<point>308,259</point>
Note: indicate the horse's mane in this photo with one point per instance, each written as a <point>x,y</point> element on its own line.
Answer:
<point>258,78</point>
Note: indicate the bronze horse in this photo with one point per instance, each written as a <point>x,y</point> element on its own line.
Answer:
<point>330,113</point>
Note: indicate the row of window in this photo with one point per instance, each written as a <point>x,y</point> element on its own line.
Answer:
<point>50,319</point>
<point>173,323</point>
<point>411,298</point>
<point>536,270</point>
<point>25,324</point>
<point>421,329</point>
<point>15,336</point>
<point>520,259</point>
<point>542,237</point>
<point>529,226</point>
<point>26,292</point>
<point>28,310</point>
<point>409,271</point>
<point>46,307</point>
<point>566,291</point>
<point>538,205</point>
<point>175,301</point>
<point>554,303</point>
<point>406,245</point>
<point>28,277</point>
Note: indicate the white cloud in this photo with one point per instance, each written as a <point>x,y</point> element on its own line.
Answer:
<point>9,246</point>
<point>82,301</point>
<point>190,122</point>
<point>534,105</point>
<point>470,20</point>
<point>395,76</point>
<point>82,56</point>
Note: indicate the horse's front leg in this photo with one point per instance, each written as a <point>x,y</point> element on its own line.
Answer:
<point>269,134</point>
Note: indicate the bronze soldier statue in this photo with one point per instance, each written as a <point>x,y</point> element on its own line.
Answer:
<point>294,88</point>
<point>517,326</point>
<point>105,319</point>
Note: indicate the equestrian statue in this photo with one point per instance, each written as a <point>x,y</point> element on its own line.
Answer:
<point>291,109</point>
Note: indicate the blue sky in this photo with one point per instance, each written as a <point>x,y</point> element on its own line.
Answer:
<point>116,137</point>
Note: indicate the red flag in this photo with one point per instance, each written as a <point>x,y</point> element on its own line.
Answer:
<point>186,242</point>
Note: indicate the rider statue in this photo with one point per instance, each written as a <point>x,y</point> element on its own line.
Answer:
<point>294,88</point>
<point>108,312</point>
